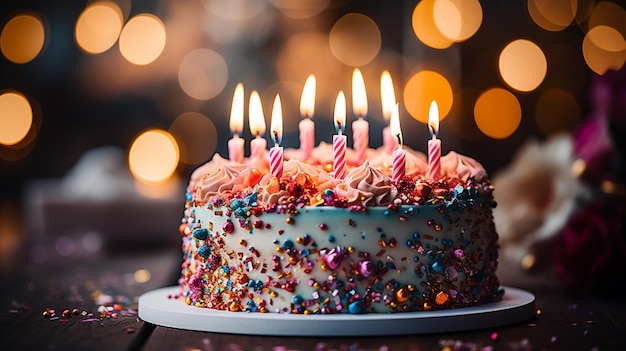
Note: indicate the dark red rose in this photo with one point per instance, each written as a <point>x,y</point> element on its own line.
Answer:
<point>590,251</point>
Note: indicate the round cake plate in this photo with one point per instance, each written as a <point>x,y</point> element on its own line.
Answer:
<point>159,308</point>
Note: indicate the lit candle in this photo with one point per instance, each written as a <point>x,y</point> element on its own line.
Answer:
<point>339,139</point>
<point>258,144</point>
<point>388,100</point>
<point>306,126</point>
<point>434,144</point>
<point>360,127</point>
<point>236,144</point>
<point>276,127</point>
<point>399,155</point>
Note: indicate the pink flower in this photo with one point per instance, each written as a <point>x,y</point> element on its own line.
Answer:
<point>590,251</point>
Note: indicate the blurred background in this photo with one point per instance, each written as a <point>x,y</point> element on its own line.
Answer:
<point>106,107</point>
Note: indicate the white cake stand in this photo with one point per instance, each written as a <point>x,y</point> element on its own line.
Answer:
<point>157,308</point>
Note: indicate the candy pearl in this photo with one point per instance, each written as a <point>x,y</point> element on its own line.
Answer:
<point>441,298</point>
<point>366,268</point>
<point>355,307</point>
<point>402,295</point>
<point>333,260</point>
<point>458,253</point>
<point>234,307</point>
<point>204,251</point>
<point>228,227</point>
<point>436,267</point>
<point>200,234</point>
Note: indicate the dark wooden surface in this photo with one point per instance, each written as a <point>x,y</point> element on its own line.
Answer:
<point>565,322</point>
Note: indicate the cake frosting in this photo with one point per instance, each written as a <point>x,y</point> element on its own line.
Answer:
<point>308,243</point>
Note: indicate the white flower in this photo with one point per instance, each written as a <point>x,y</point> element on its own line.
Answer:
<point>536,194</point>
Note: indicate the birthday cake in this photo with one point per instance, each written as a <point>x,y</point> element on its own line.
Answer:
<point>309,243</point>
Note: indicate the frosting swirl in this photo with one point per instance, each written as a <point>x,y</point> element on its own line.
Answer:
<point>219,180</point>
<point>456,166</point>
<point>209,167</point>
<point>367,186</point>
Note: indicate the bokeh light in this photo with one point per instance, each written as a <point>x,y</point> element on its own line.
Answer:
<point>142,39</point>
<point>609,14</point>
<point>355,39</point>
<point>98,27</point>
<point>302,8</point>
<point>556,111</point>
<point>497,113</point>
<point>607,38</point>
<point>196,136</point>
<point>447,18</point>
<point>552,15</point>
<point>16,117</point>
<point>522,65</point>
<point>425,28</point>
<point>153,156</point>
<point>142,276</point>
<point>471,17</point>
<point>423,88</point>
<point>597,58</point>
<point>22,38</point>
<point>203,74</point>
<point>309,53</point>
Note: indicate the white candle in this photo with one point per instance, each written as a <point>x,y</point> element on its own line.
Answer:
<point>307,126</point>
<point>236,144</point>
<point>388,102</point>
<point>339,139</point>
<point>360,127</point>
<point>399,155</point>
<point>258,144</point>
<point>434,144</point>
<point>276,128</point>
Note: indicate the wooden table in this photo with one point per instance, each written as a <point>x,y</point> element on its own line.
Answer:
<point>32,290</point>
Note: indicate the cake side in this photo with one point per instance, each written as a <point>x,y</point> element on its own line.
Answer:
<point>243,256</point>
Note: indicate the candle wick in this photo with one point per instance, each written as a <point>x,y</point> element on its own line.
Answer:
<point>399,137</point>
<point>339,129</point>
<point>275,138</point>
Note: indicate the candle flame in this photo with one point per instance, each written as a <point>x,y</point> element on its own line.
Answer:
<point>394,124</point>
<point>340,113</point>
<point>307,101</point>
<point>236,110</point>
<point>433,120</point>
<point>277,121</point>
<point>387,94</point>
<point>359,95</point>
<point>257,120</point>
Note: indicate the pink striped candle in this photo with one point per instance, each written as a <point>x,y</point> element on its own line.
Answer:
<point>276,153</point>
<point>388,101</point>
<point>399,155</point>
<point>258,145</point>
<point>434,144</point>
<point>339,140</point>
<point>307,126</point>
<point>236,144</point>
<point>360,127</point>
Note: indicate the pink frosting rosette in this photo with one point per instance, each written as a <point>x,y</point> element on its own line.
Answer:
<point>457,166</point>
<point>218,181</point>
<point>366,186</point>
<point>216,162</point>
